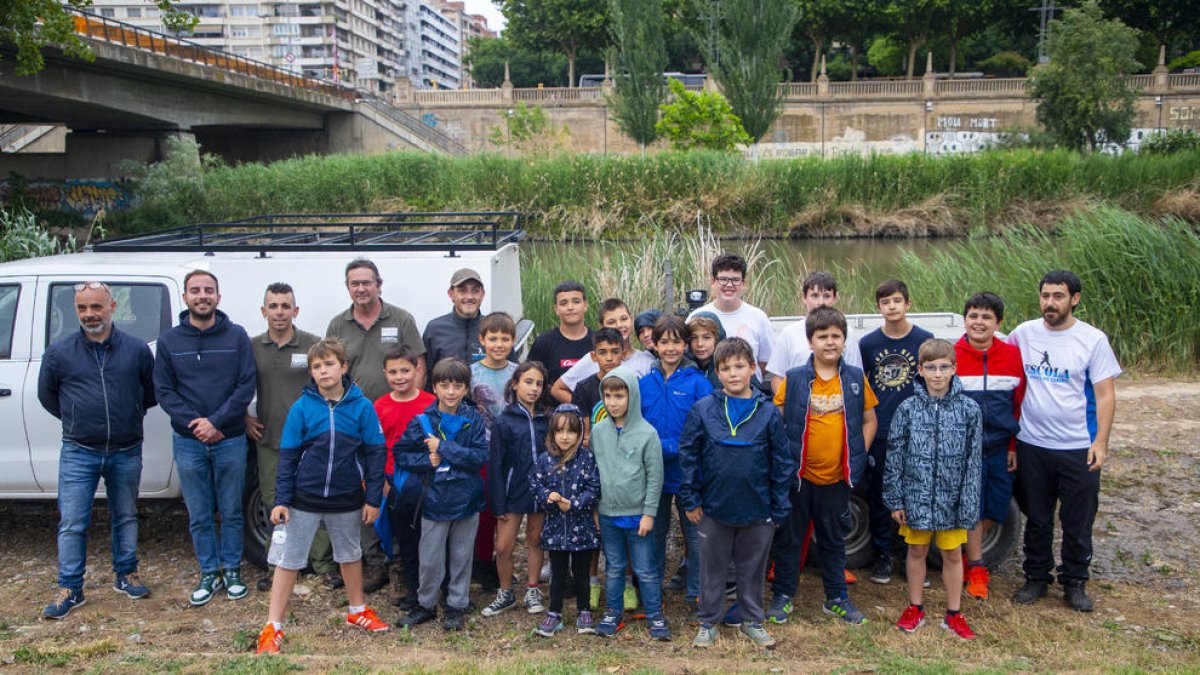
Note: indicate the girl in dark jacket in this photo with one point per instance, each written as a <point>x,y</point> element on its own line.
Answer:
<point>566,485</point>
<point>518,438</point>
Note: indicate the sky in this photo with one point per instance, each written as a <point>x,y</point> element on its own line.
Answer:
<point>486,8</point>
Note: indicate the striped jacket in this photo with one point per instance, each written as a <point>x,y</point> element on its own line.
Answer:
<point>995,379</point>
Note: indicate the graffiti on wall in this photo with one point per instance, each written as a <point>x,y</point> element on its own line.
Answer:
<point>953,135</point>
<point>86,197</point>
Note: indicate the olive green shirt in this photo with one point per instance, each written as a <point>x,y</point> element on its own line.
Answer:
<point>282,374</point>
<point>365,348</point>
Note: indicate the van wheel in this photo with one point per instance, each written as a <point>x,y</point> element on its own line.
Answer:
<point>999,542</point>
<point>257,531</point>
<point>859,552</point>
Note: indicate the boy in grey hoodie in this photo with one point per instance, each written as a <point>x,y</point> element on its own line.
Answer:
<point>629,457</point>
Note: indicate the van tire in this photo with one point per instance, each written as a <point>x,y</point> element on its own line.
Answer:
<point>998,544</point>
<point>257,516</point>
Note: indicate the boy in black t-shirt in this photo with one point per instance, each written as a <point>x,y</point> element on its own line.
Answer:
<point>889,358</point>
<point>559,348</point>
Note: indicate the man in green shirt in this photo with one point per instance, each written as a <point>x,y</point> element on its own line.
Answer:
<point>368,329</point>
<point>281,355</point>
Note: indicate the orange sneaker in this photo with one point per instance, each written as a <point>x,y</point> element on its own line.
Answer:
<point>851,579</point>
<point>977,582</point>
<point>367,620</point>
<point>270,640</point>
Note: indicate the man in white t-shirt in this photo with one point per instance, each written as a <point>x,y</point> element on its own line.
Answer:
<point>791,345</point>
<point>739,318</point>
<point>1066,417</point>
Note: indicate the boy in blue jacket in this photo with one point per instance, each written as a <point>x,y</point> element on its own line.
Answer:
<point>736,467</point>
<point>669,390</point>
<point>446,445</point>
<point>931,482</point>
<point>331,442</point>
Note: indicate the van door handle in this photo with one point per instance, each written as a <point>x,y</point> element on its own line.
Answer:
<point>5,392</point>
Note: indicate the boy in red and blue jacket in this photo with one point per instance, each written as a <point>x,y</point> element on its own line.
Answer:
<point>992,374</point>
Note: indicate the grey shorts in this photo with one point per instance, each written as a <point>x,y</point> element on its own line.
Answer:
<point>344,529</point>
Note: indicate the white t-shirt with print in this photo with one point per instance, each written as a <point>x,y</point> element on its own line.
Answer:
<point>1059,411</point>
<point>792,350</point>
<point>749,323</point>
<point>640,363</point>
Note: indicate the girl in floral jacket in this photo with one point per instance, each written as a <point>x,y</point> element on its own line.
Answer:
<point>566,485</point>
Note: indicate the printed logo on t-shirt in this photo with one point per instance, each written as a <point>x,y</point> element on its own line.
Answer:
<point>893,369</point>
<point>1045,370</point>
<point>389,335</point>
<point>825,404</point>
<point>566,364</point>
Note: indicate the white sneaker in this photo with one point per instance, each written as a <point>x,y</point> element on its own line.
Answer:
<point>533,600</point>
<point>544,575</point>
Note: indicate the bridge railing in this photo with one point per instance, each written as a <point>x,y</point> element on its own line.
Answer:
<point>127,35</point>
<point>436,138</point>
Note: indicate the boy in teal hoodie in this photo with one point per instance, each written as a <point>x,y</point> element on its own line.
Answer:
<point>629,457</point>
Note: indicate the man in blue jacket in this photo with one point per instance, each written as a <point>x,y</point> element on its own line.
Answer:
<point>98,382</point>
<point>205,377</point>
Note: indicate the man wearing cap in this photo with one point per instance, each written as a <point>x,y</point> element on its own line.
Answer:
<point>368,329</point>
<point>456,334</point>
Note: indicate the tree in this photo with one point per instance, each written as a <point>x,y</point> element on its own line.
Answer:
<point>913,21</point>
<point>640,57</point>
<point>819,20</point>
<point>858,24</point>
<point>30,25</point>
<point>700,120</point>
<point>486,57</point>
<point>570,25</point>
<point>1083,101</point>
<point>750,36</point>
<point>964,17</point>
<point>1164,19</point>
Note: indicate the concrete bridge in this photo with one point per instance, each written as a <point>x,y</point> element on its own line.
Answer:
<point>822,118</point>
<point>144,87</point>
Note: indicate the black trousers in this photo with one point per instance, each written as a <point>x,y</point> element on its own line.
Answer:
<point>828,508</point>
<point>574,564</point>
<point>1046,478</point>
<point>406,530</point>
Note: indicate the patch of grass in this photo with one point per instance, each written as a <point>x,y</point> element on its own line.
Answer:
<point>255,665</point>
<point>61,656</point>
<point>245,640</point>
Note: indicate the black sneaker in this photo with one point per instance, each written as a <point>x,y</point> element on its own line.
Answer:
<point>418,615</point>
<point>453,619</point>
<point>131,585</point>
<point>264,584</point>
<point>406,603</point>
<point>375,577</point>
<point>1076,596</point>
<point>1031,592</point>
<point>333,580</point>
<point>881,573</point>
<point>678,582</point>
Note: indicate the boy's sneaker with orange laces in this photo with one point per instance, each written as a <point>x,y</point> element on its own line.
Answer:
<point>270,640</point>
<point>912,619</point>
<point>851,578</point>
<point>367,620</point>
<point>977,578</point>
<point>957,624</point>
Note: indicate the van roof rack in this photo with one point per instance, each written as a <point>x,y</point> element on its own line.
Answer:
<point>441,231</point>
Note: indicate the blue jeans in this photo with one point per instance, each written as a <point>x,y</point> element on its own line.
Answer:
<point>662,529</point>
<point>79,472</point>
<point>213,478</point>
<point>624,546</point>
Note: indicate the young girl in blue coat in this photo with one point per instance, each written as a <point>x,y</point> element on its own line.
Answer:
<point>518,438</point>
<point>566,485</point>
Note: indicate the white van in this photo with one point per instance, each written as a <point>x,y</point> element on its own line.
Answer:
<point>146,275</point>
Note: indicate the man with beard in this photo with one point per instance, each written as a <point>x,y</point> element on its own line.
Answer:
<point>99,382</point>
<point>1066,416</point>
<point>456,334</point>
<point>368,329</point>
<point>204,376</point>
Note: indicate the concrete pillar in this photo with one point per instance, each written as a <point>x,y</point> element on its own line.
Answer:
<point>506,88</point>
<point>930,83</point>
<point>823,80</point>
<point>99,155</point>
<point>1161,81</point>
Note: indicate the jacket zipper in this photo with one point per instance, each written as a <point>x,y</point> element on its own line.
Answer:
<point>332,429</point>
<point>937,444</point>
<point>104,393</point>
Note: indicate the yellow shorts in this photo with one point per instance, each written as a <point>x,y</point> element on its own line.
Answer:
<point>945,540</point>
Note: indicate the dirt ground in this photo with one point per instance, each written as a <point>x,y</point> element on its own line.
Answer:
<point>1147,612</point>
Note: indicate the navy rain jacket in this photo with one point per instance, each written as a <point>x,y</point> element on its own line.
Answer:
<point>454,490</point>
<point>518,439</point>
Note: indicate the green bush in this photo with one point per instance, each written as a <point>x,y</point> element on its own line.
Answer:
<point>1006,64</point>
<point>1189,60</point>
<point>700,120</point>
<point>21,236</point>
<point>1176,140</point>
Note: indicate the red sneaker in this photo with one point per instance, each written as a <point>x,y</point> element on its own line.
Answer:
<point>270,640</point>
<point>771,573</point>
<point>957,624</point>
<point>911,619</point>
<point>367,620</point>
<point>977,581</point>
<point>851,579</point>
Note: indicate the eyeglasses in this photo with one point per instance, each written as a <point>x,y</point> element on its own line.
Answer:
<point>90,285</point>
<point>728,281</point>
<point>942,368</point>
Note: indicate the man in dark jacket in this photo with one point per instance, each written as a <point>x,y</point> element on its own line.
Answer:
<point>205,377</point>
<point>98,382</point>
<point>456,334</point>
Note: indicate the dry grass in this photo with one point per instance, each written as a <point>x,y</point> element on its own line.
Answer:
<point>1182,203</point>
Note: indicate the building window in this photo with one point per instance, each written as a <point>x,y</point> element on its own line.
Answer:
<point>285,29</point>
<point>134,12</point>
<point>244,31</point>
<point>241,10</point>
<point>108,12</point>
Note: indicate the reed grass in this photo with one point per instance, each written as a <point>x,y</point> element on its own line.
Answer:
<point>614,197</point>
